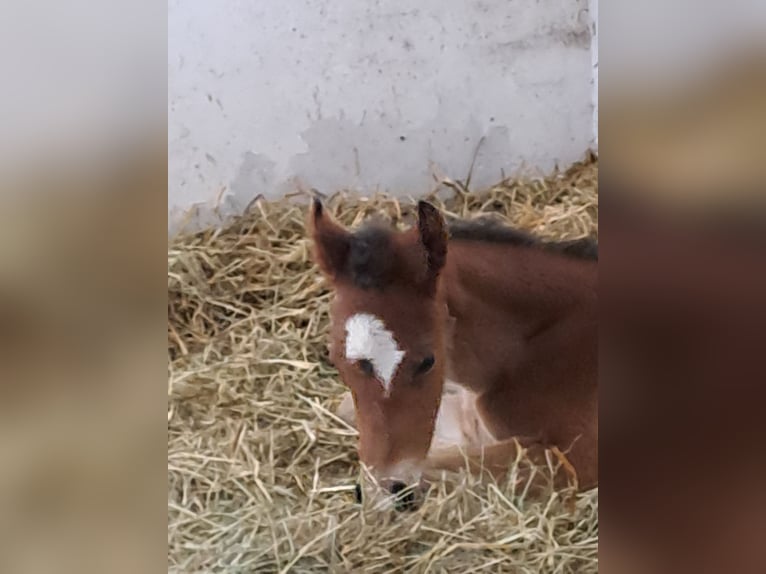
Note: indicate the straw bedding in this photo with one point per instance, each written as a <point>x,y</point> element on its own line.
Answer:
<point>260,471</point>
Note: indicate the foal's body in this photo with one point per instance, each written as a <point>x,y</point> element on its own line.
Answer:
<point>509,322</point>
<point>525,341</point>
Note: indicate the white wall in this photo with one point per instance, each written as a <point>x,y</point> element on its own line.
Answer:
<point>267,96</point>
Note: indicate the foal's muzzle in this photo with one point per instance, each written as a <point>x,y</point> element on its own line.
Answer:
<point>404,497</point>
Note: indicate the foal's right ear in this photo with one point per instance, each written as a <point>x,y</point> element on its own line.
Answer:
<point>331,242</point>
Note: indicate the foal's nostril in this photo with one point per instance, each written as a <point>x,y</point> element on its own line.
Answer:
<point>403,499</point>
<point>397,487</point>
<point>358,493</point>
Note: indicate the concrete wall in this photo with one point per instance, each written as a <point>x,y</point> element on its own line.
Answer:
<point>268,96</point>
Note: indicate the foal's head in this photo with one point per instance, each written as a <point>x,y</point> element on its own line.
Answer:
<point>387,335</point>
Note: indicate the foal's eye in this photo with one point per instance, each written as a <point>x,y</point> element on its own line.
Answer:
<point>366,367</point>
<point>425,365</point>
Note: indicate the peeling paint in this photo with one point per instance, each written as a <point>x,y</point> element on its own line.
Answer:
<point>578,36</point>
<point>255,176</point>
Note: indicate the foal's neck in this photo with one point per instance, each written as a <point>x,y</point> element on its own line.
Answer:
<point>524,283</point>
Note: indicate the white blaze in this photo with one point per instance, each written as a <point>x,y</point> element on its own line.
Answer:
<point>367,338</point>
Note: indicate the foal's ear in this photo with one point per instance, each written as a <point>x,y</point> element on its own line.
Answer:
<point>433,235</point>
<point>331,241</point>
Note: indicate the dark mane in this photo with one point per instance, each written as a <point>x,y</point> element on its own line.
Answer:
<point>493,231</point>
<point>371,258</point>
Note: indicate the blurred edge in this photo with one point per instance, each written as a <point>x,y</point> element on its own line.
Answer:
<point>82,364</point>
<point>83,182</point>
<point>683,297</point>
<point>696,144</point>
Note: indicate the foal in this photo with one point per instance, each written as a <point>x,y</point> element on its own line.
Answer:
<point>462,348</point>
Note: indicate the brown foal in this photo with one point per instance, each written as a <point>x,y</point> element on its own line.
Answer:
<point>461,345</point>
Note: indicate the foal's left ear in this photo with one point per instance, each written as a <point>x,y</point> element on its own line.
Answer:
<point>433,235</point>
